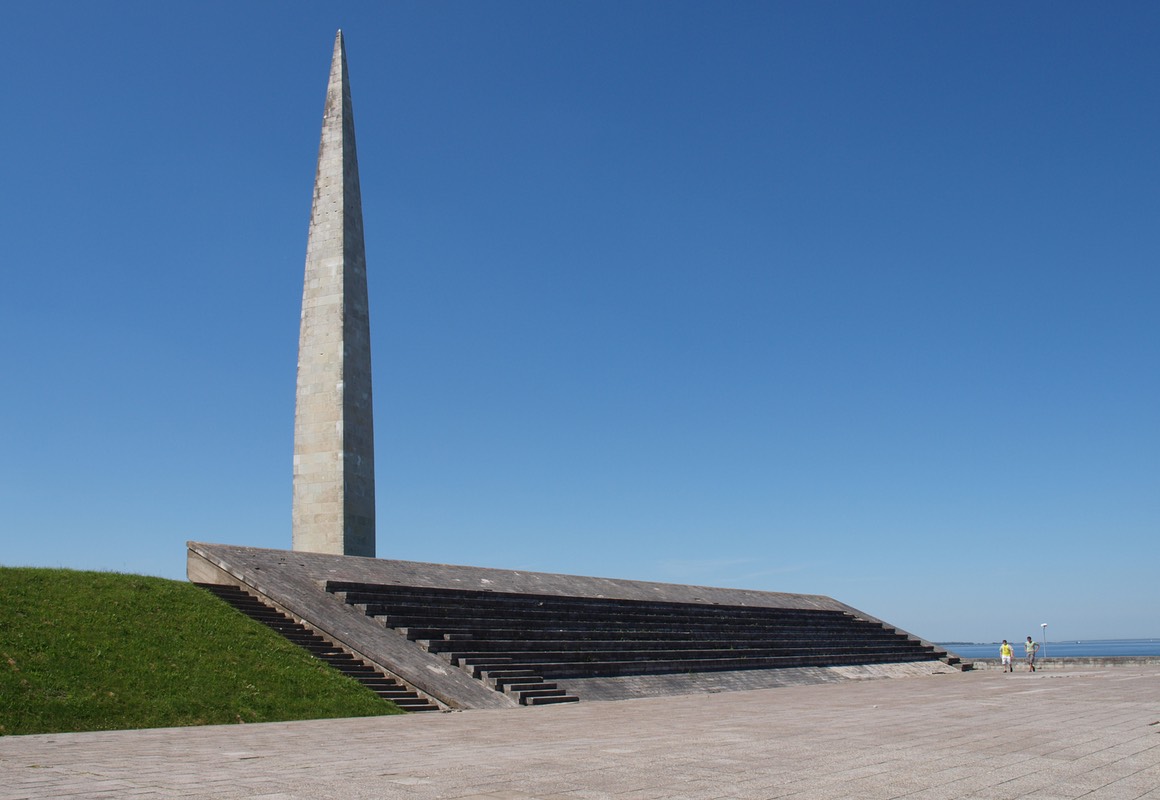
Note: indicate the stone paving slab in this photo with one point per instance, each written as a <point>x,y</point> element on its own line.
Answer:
<point>1091,733</point>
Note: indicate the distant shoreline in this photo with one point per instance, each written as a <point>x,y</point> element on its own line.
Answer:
<point>1053,664</point>
<point>1094,648</point>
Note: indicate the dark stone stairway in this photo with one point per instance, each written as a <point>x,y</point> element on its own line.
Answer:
<point>521,643</point>
<point>384,686</point>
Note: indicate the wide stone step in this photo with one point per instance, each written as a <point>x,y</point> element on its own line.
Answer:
<point>522,617</point>
<point>430,627</point>
<point>621,668</point>
<point>535,658</point>
<point>493,664</point>
<point>543,701</point>
<point>395,692</point>
<point>512,688</point>
<point>281,623</point>
<point>501,676</point>
<point>564,647</point>
<point>507,671</point>
<point>306,639</point>
<point>481,646</point>
<point>467,599</point>
<point>438,638</point>
<point>364,674</point>
<point>439,631</point>
<point>486,599</point>
<point>533,617</point>
<point>387,688</point>
<point>502,681</point>
<point>544,697</point>
<point>526,694</point>
<point>415,704</point>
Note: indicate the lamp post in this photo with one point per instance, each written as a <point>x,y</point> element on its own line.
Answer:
<point>1044,626</point>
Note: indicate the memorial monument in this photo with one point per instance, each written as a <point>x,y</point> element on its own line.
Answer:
<point>334,469</point>
<point>441,636</point>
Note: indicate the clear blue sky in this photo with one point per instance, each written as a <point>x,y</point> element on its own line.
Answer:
<point>858,299</point>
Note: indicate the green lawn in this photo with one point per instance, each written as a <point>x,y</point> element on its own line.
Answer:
<point>84,651</point>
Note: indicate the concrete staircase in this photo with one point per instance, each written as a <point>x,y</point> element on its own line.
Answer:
<point>353,667</point>
<point>521,644</point>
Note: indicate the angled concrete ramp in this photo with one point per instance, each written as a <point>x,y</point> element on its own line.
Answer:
<point>472,637</point>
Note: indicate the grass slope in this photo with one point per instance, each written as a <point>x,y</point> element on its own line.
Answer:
<point>85,651</point>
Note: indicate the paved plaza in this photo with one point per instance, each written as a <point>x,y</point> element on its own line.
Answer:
<point>1091,733</point>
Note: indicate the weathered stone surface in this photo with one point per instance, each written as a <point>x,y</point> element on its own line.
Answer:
<point>334,474</point>
<point>295,583</point>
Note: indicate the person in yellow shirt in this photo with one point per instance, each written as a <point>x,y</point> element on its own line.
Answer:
<point>1005,654</point>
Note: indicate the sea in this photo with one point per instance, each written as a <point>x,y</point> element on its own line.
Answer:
<point>1088,648</point>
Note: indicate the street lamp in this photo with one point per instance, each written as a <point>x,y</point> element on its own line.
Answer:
<point>1044,626</point>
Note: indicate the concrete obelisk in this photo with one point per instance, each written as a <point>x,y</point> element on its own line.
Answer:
<point>334,469</point>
